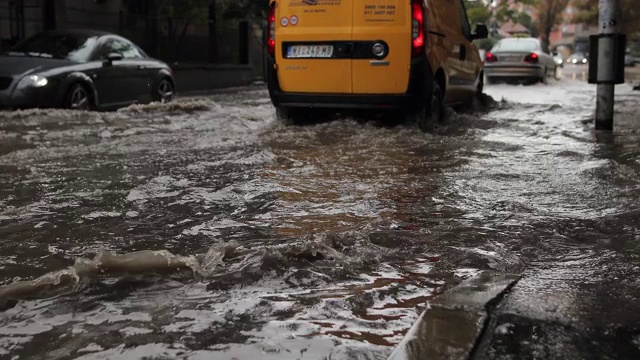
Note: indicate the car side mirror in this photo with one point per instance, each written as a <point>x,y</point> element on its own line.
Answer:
<point>482,32</point>
<point>113,57</point>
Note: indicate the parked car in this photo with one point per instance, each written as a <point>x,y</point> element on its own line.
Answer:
<point>81,69</point>
<point>519,58</point>
<point>629,59</point>
<point>399,58</point>
<point>578,59</point>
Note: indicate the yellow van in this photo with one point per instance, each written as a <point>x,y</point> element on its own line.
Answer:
<point>408,55</point>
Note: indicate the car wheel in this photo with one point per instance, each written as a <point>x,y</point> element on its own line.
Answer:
<point>78,98</point>
<point>544,76</point>
<point>433,111</point>
<point>165,91</point>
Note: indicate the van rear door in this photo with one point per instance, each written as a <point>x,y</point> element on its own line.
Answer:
<point>312,45</point>
<point>388,23</point>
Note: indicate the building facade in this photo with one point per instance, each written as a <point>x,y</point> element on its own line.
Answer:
<point>23,18</point>
<point>175,40</point>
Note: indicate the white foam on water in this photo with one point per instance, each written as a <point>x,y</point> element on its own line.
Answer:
<point>132,331</point>
<point>102,214</point>
<point>90,348</point>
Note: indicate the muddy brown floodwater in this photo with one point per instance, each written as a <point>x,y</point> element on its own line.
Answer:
<point>319,241</point>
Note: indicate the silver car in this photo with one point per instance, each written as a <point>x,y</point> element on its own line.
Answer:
<point>519,59</point>
<point>629,59</point>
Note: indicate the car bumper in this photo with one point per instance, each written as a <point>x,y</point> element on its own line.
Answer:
<point>28,98</point>
<point>514,71</point>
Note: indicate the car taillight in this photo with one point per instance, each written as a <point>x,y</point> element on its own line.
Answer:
<point>531,58</point>
<point>490,58</point>
<point>417,30</point>
<point>271,31</point>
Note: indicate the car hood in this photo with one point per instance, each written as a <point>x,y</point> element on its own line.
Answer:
<point>23,65</point>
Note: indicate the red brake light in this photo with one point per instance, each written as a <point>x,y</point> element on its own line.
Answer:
<point>271,31</point>
<point>417,16</point>
<point>532,58</point>
<point>490,58</point>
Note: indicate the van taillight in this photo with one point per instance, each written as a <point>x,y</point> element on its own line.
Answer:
<point>271,31</point>
<point>531,58</point>
<point>417,30</point>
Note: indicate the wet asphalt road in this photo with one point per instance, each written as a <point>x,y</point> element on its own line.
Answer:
<point>339,231</point>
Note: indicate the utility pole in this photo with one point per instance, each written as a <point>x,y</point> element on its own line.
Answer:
<point>607,46</point>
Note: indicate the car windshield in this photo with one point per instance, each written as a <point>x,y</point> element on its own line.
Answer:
<point>74,47</point>
<point>516,45</point>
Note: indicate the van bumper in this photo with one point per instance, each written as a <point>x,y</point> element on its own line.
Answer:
<point>341,101</point>
<point>420,82</point>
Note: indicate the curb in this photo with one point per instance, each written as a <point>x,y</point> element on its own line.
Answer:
<point>224,90</point>
<point>454,322</point>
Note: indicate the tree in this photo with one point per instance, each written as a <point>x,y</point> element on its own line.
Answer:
<point>587,12</point>
<point>549,16</point>
<point>511,10</point>
<point>477,12</point>
<point>527,21</point>
<point>179,16</point>
<point>514,11</point>
<point>251,10</point>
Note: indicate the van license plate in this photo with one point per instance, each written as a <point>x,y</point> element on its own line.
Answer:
<point>309,51</point>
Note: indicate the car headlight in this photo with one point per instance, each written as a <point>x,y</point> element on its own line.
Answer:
<point>34,81</point>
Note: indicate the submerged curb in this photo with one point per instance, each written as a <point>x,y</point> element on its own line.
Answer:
<point>453,322</point>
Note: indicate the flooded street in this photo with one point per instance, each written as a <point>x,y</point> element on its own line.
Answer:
<point>319,241</point>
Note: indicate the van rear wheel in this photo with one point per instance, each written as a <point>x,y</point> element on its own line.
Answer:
<point>433,112</point>
<point>283,113</point>
<point>288,116</point>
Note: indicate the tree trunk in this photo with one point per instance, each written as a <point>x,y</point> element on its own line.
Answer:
<point>213,32</point>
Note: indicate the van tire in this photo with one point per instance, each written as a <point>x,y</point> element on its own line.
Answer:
<point>283,115</point>
<point>291,116</point>
<point>433,112</point>
<point>480,88</point>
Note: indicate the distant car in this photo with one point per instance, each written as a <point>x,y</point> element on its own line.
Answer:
<point>578,59</point>
<point>558,59</point>
<point>629,60</point>
<point>519,58</point>
<point>81,69</point>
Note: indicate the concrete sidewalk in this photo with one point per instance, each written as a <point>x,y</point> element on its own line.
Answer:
<point>632,74</point>
<point>584,303</point>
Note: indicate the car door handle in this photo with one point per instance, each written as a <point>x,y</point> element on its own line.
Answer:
<point>141,67</point>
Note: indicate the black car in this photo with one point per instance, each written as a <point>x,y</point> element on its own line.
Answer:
<point>81,69</point>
